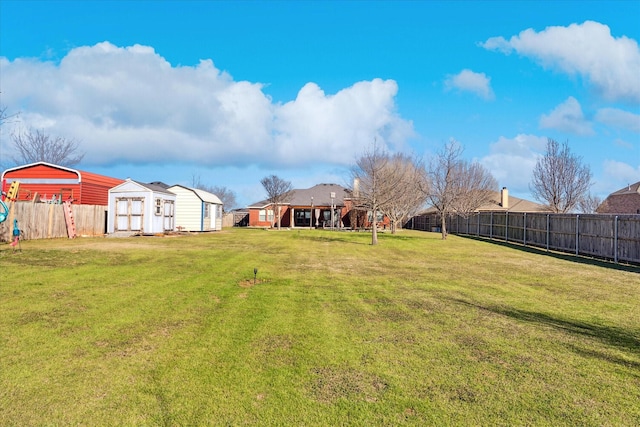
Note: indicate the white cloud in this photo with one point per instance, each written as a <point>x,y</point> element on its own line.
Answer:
<point>131,105</point>
<point>470,81</point>
<point>610,63</point>
<point>616,118</point>
<point>337,127</point>
<point>511,160</point>
<point>567,117</point>
<point>622,173</point>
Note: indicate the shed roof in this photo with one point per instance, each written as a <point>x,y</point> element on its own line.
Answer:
<point>143,186</point>
<point>203,195</point>
<point>83,176</point>
<point>156,188</point>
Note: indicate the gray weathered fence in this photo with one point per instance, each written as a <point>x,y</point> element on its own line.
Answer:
<point>45,221</point>
<point>612,237</point>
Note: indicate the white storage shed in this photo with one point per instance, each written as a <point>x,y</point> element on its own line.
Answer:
<point>197,210</point>
<point>137,208</point>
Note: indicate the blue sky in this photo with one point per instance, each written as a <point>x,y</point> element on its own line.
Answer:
<point>230,92</point>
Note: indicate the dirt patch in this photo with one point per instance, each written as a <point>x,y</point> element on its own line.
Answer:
<point>332,384</point>
<point>251,282</point>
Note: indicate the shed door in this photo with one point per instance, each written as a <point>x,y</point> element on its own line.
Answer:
<point>168,215</point>
<point>129,214</point>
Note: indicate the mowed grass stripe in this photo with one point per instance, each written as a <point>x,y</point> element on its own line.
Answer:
<point>415,331</point>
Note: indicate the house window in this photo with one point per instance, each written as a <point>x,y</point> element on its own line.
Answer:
<point>379,216</point>
<point>158,206</point>
<point>265,215</point>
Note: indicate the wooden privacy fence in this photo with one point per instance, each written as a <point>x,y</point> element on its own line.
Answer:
<point>612,237</point>
<point>46,221</point>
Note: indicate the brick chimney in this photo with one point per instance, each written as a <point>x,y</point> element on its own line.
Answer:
<point>504,198</point>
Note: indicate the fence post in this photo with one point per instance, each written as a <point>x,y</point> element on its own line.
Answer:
<point>524,237</point>
<point>506,227</point>
<point>615,239</point>
<point>478,234</point>
<point>547,232</point>
<point>491,226</point>
<point>577,234</point>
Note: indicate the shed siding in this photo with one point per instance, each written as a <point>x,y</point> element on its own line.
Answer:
<point>188,210</point>
<point>130,190</point>
<point>93,194</point>
<point>47,180</point>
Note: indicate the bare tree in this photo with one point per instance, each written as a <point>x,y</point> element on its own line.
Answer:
<point>589,204</point>
<point>410,193</point>
<point>226,196</point>
<point>457,186</point>
<point>559,178</point>
<point>474,187</point>
<point>36,146</point>
<point>278,192</point>
<point>6,117</point>
<point>374,172</point>
<point>3,114</point>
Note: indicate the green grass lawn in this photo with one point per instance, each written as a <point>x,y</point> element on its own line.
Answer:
<point>414,331</point>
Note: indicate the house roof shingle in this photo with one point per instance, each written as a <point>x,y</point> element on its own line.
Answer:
<point>515,204</point>
<point>321,194</point>
<point>624,201</point>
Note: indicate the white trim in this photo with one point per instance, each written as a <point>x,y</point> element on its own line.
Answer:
<point>51,165</point>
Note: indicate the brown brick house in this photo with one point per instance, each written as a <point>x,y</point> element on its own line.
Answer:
<point>311,207</point>
<point>623,202</point>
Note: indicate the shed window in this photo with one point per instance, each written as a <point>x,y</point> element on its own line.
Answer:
<point>207,210</point>
<point>158,206</point>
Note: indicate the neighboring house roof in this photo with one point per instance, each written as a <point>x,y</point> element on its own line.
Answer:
<point>321,194</point>
<point>514,204</point>
<point>203,195</point>
<point>624,201</point>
